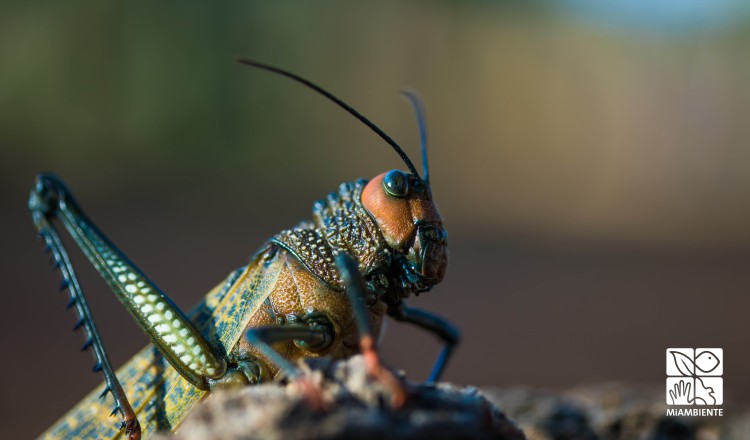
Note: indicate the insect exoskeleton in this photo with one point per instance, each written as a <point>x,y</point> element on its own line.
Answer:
<point>321,288</point>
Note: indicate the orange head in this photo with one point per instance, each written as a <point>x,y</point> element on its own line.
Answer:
<point>402,206</point>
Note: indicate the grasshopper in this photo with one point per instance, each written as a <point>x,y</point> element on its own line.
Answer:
<point>322,288</point>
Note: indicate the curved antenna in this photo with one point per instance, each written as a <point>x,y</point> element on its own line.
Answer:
<point>416,104</point>
<point>337,101</point>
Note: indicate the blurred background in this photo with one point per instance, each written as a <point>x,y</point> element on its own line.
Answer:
<point>590,161</point>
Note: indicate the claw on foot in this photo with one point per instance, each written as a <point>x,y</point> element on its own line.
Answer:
<point>385,376</point>
<point>311,392</point>
<point>132,428</point>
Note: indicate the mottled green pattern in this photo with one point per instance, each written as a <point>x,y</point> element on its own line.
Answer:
<point>158,394</point>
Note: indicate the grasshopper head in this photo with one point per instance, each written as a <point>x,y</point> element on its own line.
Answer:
<point>402,206</point>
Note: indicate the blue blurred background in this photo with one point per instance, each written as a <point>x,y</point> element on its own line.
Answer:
<point>590,161</point>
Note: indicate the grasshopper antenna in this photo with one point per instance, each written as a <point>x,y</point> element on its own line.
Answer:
<point>416,104</point>
<point>337,101</point>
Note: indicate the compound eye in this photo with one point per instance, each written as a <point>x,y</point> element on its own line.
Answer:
<point>396,183</point>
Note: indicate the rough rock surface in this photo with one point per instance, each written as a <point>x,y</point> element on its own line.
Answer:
<point>610,412</point>
<point>356,407</point>
<point>359,407</point>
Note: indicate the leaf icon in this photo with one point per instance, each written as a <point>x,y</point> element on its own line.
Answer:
<point>684,364</point>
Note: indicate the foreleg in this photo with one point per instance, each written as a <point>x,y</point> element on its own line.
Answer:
<point>447,332</point>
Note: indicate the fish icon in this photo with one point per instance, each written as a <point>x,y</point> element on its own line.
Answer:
<point>706,362</point>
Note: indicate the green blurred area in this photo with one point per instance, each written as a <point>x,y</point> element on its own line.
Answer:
<point>592,170</point>
<point>540,123</point>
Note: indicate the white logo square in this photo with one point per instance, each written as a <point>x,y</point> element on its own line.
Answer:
<point>695,376</point>
<point>680,391</point>
<point>680,362</point>
<point>709,390</point>
<point>709,361</point>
